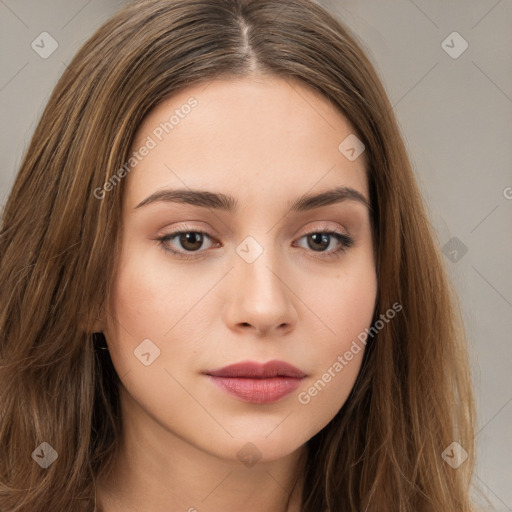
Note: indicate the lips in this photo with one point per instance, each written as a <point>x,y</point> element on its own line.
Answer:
<point>251,369</point>
<point>257,383</point>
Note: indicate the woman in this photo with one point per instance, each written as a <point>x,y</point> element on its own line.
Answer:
<point>220,289</point>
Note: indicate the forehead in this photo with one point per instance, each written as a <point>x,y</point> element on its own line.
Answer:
<point>256,134</point>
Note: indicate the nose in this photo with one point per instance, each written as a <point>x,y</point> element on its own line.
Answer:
<point>260,297</point>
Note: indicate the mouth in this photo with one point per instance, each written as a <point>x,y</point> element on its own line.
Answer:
<point>257,383</point>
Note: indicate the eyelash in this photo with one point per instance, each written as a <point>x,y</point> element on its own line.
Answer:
<point>345,243</point>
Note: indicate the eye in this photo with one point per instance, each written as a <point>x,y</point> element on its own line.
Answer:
<point>192,241</point>
<point>318,241</point>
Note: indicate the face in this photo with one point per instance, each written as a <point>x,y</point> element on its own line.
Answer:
<point>247,272</point>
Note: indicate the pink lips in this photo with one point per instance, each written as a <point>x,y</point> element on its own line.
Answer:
<point>258,383</point>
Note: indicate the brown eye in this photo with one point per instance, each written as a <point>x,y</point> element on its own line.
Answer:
<point>191,240</point>
<point>319,241</point>
<point>184,243</point>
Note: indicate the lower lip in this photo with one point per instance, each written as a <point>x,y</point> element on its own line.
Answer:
<point>257,391</point>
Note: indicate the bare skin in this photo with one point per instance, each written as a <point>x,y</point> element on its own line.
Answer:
<point>266,142</point>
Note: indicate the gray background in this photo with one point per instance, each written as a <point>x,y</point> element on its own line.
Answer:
<point>455,115</point>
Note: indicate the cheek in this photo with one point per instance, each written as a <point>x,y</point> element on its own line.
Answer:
<point>138,302</point>
<point>138,305</point>
<point>350,313</point>
<point>346,306</point>
<point>152,301</point>
<point>149,297</point>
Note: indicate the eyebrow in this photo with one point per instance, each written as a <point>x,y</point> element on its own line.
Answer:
<point>228,203</point>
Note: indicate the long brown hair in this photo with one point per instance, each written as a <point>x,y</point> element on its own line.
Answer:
<point>59,243</point>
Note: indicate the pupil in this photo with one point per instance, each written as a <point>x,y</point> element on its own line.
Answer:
<point>191,241</point>
<point>324,239</point>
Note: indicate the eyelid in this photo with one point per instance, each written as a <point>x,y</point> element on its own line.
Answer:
<point>183,228</point>
<point>346,241</point>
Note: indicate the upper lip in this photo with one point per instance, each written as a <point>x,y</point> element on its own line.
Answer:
<point>255,370</point>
